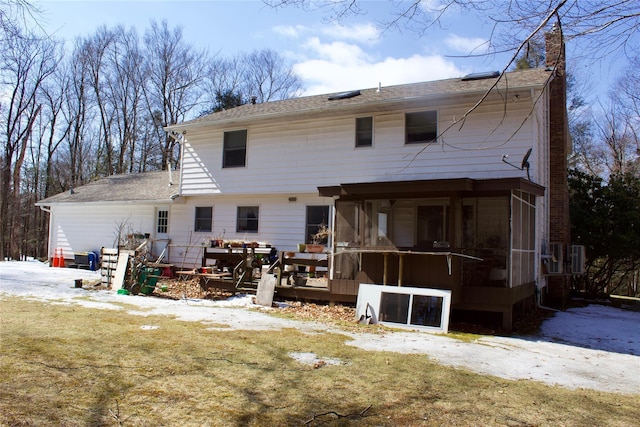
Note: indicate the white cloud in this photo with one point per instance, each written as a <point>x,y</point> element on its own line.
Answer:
<point>467,45</point>
<point>348,61</point>
<point>359,33</point>
<point>291,31</point>
<point>362,33</point>
<point>340,66</point>
<point>338,52</point>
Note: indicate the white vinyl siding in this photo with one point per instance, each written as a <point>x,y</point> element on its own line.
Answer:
<point>298,156</point>
<point>89,227</point>
<point>282,223</point>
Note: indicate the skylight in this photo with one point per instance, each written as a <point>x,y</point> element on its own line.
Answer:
<point>481,75</point>
<point>344,95</point>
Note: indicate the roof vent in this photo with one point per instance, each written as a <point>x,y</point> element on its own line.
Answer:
<point>344,95</point>
<point>481,76</point>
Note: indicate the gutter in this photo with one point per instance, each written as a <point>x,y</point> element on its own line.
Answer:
<point>172,199</point>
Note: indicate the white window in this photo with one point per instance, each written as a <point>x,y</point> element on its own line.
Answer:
<point>317,217</point>
<point>415,308</point>
<point>421,127</point>
<point>247,219</point>
<point>235,149</point>
<point>364,132</point>
<point>203,219</point>
<point>162,221</point>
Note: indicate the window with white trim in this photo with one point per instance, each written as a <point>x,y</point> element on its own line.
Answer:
<point>317,217</point>
<point>247,219</point>
<point>364,132</point>
<point>162,221</point>
<point>234,149</point>
<point>203,219</point>
<point>421,127</point>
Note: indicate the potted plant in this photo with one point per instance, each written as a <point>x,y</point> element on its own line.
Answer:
<point>319,239</point>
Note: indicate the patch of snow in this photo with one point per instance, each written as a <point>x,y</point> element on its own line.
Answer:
<point>313,360</point>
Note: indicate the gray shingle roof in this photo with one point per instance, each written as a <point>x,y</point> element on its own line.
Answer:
<point>320,104</point>
<point>137,187</point>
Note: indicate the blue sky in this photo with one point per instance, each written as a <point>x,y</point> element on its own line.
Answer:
<point>328,56</point>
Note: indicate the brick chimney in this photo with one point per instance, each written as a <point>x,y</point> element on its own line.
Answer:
<point>558,291</point>
<point>554,46</point>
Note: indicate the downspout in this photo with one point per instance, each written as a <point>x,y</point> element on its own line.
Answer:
<point>539,298</point>
<point>180,138</point>
<point>48,210</point>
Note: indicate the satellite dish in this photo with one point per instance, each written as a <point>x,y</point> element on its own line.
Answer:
<point>525,160</point>
<point>523,165</point>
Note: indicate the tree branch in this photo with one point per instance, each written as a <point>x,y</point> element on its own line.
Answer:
<point>359,414</point>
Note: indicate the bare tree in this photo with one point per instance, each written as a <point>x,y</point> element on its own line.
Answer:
<point>26,62</point>
<point>123,96</point>
<point>268,77</point>
<point>15,15</point>
<point>628,94</point>
<point>174,72</point>
<point>616,148</point>
<point>94,50</point>
<point>223,85</point>
<point>259,76</point>
<point>606,139</point>
<point>47,136</point>
<point>74,166</point>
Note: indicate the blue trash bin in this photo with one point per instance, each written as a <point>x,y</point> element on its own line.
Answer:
<point>93,261</point>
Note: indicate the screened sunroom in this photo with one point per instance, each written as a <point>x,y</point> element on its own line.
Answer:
<point>473,237</point>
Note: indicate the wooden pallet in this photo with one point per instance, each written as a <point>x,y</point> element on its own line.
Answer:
<point>108,264</point>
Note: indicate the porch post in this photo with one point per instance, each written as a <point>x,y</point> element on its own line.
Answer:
<point>384,271</point>
<point>400,268</point>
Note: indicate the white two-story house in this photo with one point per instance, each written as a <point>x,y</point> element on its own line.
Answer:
<point>456,184</point>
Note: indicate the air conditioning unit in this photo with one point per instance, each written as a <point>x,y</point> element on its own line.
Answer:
<point>577,259</point>
<point>555,259</point>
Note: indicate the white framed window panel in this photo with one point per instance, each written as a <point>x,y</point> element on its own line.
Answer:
<point>424,309</point>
